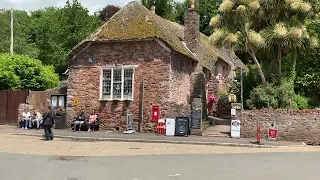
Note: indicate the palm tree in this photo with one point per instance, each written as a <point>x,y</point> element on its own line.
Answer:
<point>265,26</point>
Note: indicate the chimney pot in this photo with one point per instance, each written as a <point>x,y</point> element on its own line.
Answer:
<point>153,9</point>
<point>192,4</point>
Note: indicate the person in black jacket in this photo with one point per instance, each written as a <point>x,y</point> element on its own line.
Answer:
<point>48,120</point>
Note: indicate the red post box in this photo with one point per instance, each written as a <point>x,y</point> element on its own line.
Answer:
<point>155,113</point>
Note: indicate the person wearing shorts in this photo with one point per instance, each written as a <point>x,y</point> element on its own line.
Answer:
<point>79,120</point>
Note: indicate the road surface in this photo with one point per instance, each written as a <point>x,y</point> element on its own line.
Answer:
<point>262,166</point>
<point>30,158</point>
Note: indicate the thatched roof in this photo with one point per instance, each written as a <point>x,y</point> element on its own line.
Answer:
<point>135,22</point>
<point>232,58</point>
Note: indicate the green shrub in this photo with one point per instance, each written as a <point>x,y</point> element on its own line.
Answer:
<point>276,96</point>
<point>25,73</point>
<point>284,94</point>
<point>301,102</point>
<point>262,97</point>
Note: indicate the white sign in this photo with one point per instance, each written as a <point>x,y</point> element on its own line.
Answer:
<point>233,112</point>
<point>170,126</point>
<point>235,128</point>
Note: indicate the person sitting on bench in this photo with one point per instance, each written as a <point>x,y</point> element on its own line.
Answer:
<point>26,119</point>
<point>37,118</point>
<point>79,121</point>
<point>92,119</point>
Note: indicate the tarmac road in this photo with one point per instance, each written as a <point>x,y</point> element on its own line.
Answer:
<point>262,166</point>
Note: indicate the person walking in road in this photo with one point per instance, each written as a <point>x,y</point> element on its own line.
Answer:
<point>48,120</point>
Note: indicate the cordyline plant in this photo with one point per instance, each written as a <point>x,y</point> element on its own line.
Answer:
<point>267,27</point>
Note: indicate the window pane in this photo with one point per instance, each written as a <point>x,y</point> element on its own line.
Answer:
<point>106,84</point>
<point>127,89</point>
<point>54,100</point>
<point>61,101</point>
<point>117,83</point>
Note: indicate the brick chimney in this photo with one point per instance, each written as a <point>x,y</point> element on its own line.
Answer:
<point>192,27</point>
<point>153,9</point>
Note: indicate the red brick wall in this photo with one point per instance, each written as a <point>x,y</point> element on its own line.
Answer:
<point>160,70</point>
<point>293,125</point>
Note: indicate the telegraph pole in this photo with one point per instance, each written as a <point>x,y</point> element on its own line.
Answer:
<point>11,18</point>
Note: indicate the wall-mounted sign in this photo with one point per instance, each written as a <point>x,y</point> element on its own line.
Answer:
<point>75,101</point>
<point>236,105</point>
<point>233,112</point>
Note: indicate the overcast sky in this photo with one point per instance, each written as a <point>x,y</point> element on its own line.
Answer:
<point>92,5</point>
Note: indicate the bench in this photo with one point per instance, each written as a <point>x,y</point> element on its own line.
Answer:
<point>85,126</point>
<point>34,125</point>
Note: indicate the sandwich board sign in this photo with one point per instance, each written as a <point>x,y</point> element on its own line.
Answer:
<point>235,128</point>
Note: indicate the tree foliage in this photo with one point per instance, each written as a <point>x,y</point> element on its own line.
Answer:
<point>21,24</point>
<point>164,8</point>
<point>271,28</point>
<point>56,31</point>
<point>107,12</point>
<point>24,73</point>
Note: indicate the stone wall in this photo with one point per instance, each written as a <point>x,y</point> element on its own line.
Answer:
<point>153,62</point>
<point>293,125</point>
<point>22,107</point>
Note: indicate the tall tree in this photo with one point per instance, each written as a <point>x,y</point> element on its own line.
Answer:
<point>21,25</point>
<point>164,8</point>
<point>205,8</point>
<point>107,12</point>
<point>57,30</point>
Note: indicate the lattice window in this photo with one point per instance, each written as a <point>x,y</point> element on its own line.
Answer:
<point>117,83</point>
<point>127,86</point>
<point>106,84</point>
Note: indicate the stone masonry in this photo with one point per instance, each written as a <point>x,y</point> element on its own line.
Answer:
<point>292,125</point>
<point>166,82</point>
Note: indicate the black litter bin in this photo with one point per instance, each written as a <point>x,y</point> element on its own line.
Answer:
<point>60,121</point>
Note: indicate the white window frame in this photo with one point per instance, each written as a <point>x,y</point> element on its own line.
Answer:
<point>112,68</point>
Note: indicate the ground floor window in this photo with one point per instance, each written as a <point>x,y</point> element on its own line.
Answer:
<point>117,83</point>
<point>58,100</point>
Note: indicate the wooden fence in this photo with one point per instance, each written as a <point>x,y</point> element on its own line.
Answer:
<point>9,105</point>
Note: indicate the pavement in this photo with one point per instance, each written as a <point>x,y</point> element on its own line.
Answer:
<point>149,138</point>
<point>262,166</point>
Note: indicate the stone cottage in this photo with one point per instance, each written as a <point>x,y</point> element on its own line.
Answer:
<point>138,59</point>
